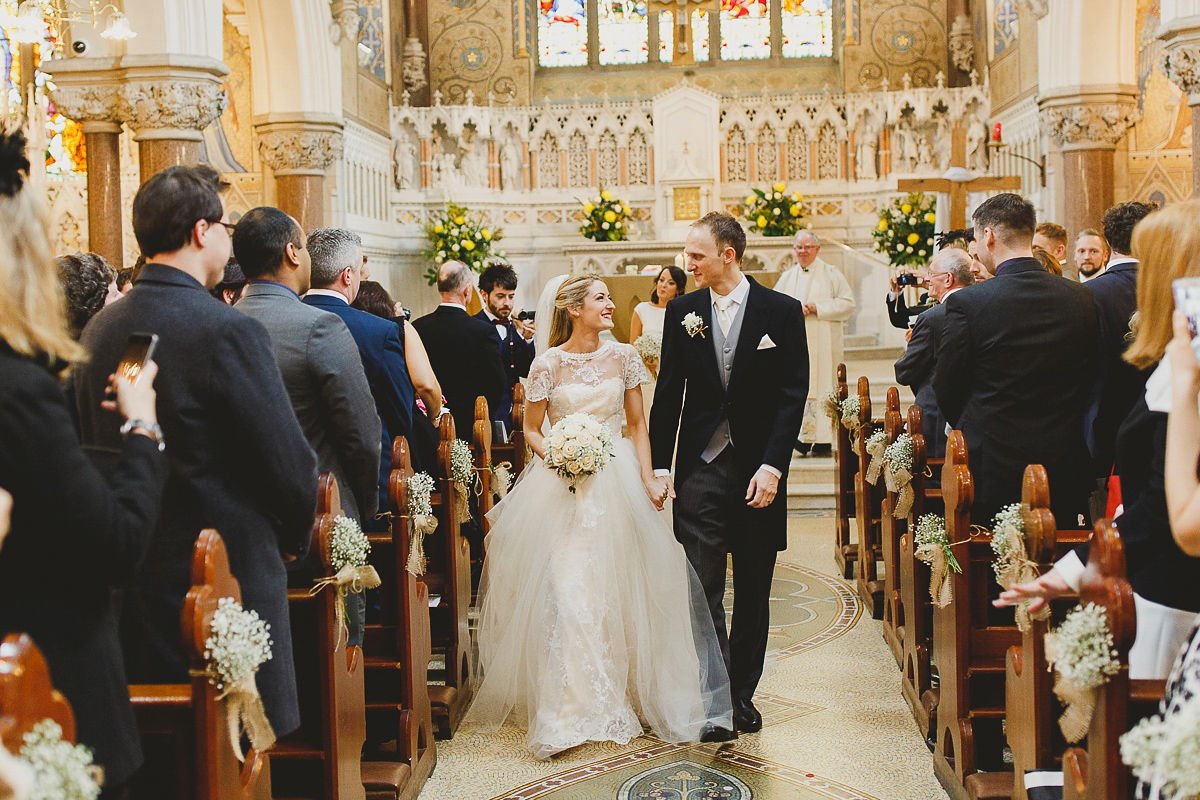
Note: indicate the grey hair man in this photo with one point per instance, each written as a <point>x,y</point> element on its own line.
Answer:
<point>338,264</point>
<point>949,272</point>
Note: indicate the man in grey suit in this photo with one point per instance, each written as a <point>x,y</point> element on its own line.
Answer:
<point>321,369</point>
<point>949,271</point>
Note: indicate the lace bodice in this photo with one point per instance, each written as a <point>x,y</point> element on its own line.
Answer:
<point>589,383</point>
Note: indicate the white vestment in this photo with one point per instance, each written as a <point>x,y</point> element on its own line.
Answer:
<point>826,287</point>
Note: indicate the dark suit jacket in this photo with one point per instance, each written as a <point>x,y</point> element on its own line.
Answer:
<point>465,354</point>
<point>915,370</point>
<point>764,402</point>
<point>517,355</point>
<point>1014,370</point>
<point>381,347</point>
<point>67,519</point>
<point>901,315</point>
<point>1118,383</point>
<point>325,380</point>
<point>238,463</point>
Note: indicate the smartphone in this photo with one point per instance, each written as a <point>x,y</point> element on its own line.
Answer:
<point>138,350</point>
<point>1187,300</point>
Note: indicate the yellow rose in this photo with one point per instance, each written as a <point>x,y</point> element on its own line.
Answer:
<point>779,187</point>
<point>796,196</point>
<point>609,216</point>
<point>913,238</point>
<point>459,220</point>
<point>883,224</point>
<point>486,234</point>
<point>795,211</point>
<point>588,208</point>
<point>906,208</point>
<point>468,244</point>
<point>762,221</point>
<point>931,218</point>
<point>624,209</point>
<point>438,229</point>
<point>606,195</point>
<point>750,199</point>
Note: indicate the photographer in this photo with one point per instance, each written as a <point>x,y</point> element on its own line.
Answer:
<point>898,310</point>
<point>498,288</point>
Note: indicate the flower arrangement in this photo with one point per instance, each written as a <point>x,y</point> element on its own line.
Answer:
<point>649,347</point>
<point>458,234</point>
<point>1012,564</point>
<point>348,551</point>
<point>905,230</point>
<point>932,547</point>
<point>604,218</point>
<point>897,474</point>
<point>348,544</point>
<point>238,643</point>
<point>1165,749</point>
<point>1083,655</point>
<point>899,454</point>
<point>578,446</point>
<point>422,522</point>
<point>877,449</point>
<point>774,212</point>
<point>833,406</point>
<point>61,770</point>
<point>931,530</point>
<point>851,408</point>
<point>462,475</point>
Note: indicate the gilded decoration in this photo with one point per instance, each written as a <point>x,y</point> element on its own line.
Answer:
<point>235,121</point>
<point>898,38</point>
<point>471,49</point>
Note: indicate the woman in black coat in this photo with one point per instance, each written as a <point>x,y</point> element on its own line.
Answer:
<point>74,536</point>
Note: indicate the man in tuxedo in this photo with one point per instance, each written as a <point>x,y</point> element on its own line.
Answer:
<point>1118,383</point>
<point>498,286</point>
<point>338,269</point>
<point>238,460</point>
<point>949,271</point>
<point>1091,254</point>
<point>1015,368</point>
<point>464,351</point>
<point>727,410</point>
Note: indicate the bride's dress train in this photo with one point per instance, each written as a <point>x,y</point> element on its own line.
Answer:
<point>592,623</point>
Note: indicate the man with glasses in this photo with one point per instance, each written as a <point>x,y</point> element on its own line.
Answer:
<point>828,302</point>
<point>949,271</point>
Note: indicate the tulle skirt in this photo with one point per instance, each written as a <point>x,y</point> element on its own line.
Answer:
<point>592,623</point>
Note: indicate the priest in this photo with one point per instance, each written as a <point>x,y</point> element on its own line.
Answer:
<point>828,302</point>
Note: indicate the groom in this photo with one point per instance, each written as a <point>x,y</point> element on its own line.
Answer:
<point>737,352</point>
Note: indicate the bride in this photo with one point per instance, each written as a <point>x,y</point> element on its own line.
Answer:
<point>592,624</point>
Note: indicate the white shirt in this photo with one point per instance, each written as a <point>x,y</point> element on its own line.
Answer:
<point>328,293</point>
<point>501,325</point>
<point>459,306</point>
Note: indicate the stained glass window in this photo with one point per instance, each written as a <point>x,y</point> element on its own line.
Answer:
<point>666,32</point>
<point>807,28</point>
<point>623,32</point>
<point>562,33</point>
<point>745,29</point>
<point>371,33</point>
<point>700,35</point>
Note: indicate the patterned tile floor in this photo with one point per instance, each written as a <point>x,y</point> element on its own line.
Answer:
<point>835,724</point>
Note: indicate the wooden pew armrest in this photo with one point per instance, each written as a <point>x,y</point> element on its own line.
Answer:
<point>164,695</point>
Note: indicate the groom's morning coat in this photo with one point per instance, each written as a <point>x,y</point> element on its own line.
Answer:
<point>764,402</point>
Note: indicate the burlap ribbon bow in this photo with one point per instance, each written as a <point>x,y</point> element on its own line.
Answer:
<point>420,526</point>
<point>462,500</point>
<point>875,448</point>
<point>349,579</point>
<point>833,409</point>
<point>940,590</point>
<point>1014,567</point>
<point>501,478</point>
<point>899,481</point>
<point>1080,702</point>
<point>244,712</point>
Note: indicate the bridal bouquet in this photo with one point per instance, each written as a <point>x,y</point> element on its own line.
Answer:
<point>649,347</point>
<point>578,446</point>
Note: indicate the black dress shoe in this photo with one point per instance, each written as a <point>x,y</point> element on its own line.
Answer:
<point>822,450</point>
<point>715,733</point>
<point>746,717</point>
<point>803,448</point>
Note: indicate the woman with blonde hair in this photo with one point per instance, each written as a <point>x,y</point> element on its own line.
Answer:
<point>1164,577</point>
<point>89,531</point>
<point>578,640</point>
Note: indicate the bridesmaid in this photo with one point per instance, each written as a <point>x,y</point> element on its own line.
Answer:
<point>648,317</point>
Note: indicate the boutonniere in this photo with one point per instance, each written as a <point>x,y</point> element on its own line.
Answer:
<point>694,325</point>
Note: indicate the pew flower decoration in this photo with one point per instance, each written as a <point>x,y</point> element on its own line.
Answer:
<point>1164,749</point>
<point>1012,564</point>
<point>458,234</point>
<point>604,218</point>
<point>851,408</point>
<point>694,325</point>
<point>502,479</point>
<point>833,406</point>
<point>462,475</point>
<point>238,643</point>
<point>578,446</point>
<point>348,551</point>
<point>421,520</point>
<point>774,212</point>
<point>649,347</point>
<point>61,770</point>
<point>1083,656</point>
<point>905,230</point>
<point>876,448</point>
<point>897,474</point>
<point>934,549</point>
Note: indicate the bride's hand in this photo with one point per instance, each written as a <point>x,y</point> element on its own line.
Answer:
<point>657,490</point>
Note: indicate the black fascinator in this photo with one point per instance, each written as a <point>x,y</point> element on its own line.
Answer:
<point>14,166</point>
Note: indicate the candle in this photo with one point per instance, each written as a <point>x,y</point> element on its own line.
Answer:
<point>996,133</point>
<point>679,260</point>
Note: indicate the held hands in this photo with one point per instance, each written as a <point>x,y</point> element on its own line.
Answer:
<point>762,490</point>
<point>659,489</point>
<point>1037,592</point>
<point>136,399</point>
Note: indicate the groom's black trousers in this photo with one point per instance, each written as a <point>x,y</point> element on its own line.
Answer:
<point>710,523</point>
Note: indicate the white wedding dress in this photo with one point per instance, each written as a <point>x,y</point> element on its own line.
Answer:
<point>592,623</point>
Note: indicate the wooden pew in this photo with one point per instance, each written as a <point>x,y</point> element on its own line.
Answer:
<point>323,757</point>
<point>187,717</point>
<point>890,531</point>
<point>449,576</point>
<point>26,694</point>
<point>481,449</point>
<point>845,552</point>
<point>1098,773</point>
<point>397,648</point>
<point>868,506</point>
<point>514,450</point>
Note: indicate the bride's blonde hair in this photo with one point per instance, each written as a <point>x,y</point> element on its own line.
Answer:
<point>570,295</point>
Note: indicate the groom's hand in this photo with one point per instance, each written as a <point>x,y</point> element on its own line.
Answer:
<point>762,489</point>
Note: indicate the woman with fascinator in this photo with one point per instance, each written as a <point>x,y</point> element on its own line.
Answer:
<point>75,536</point>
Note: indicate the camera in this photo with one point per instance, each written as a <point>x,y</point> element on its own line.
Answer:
<point>526,316</point>
<point>79,47</point>
<point>406,313</point>
<point>906,279</point>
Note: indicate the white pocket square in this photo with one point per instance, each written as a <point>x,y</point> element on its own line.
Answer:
<point>765,343</point>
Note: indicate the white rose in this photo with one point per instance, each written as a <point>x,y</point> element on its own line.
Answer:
<point>588,462</point>
<point>454,247</point>
<point>929,242</point>
<point>775,212</point>
<point>557,441</point>
<point>920,252</point>
<point>776,196</point>
<point>573,468</point>
<point>908,249</point>
<point>585,438</point>
<point>604,225</point>
<point>570,450</point>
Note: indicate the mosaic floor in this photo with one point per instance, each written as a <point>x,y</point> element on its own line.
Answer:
<point>847,739</point>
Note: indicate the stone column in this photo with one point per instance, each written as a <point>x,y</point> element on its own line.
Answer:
<point>299,149</point>
<point>1181,63</point>
<point>1087,130</point>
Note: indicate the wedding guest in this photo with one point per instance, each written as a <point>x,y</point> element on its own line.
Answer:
<point>1051,239</point>
<point>1091,254</point>
<point>648,316</point>
<point>88,529</point>
<point>229,290</point>
<point>498,288</point>
<point>1150,461</point>
<point>1047,261</point>
<point>125,279</point>
<point>89,284</point>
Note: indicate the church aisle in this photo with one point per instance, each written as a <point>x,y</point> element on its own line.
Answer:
<point>847,739</point>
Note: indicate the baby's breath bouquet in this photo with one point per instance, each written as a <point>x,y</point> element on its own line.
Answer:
<point>876,448</point>
<point>1083,655</point>
<point>774,212</point>
<point>421,520</point>
<point>348,551</point>
<point>850,411</point>
<point>932,547</point>
<point>238,643</point>
<point>462,475</point>
<point>604,218</point>
<point>61,770</point>
<point>1165,749</point>
<point>897,474</point>
<point>458,234</point>
<point>833,406</point>
<point>905,230</point>
<point>578,446</point>
<point>649,347</point>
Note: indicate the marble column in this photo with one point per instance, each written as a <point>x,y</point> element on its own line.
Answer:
<point>299,150</point>
<point>1180,62</point>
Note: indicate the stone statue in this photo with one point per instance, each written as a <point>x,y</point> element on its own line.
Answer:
<point>510,166</point>
<point>976,145</point>
<point>925,155</point>
<point>904,146</point>
<point>942,145</point>
<point>864,155</point>
<point>404,154</point>
<point>445,174</point>
<point>470,162</point>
